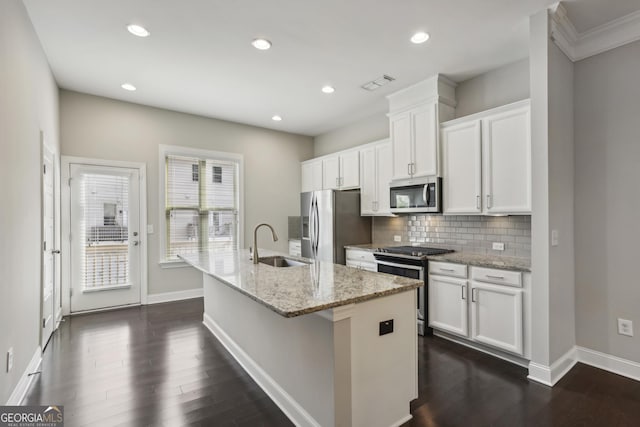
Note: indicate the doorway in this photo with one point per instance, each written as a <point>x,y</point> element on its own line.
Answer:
<point>49,246</point>
<point>106,218</point>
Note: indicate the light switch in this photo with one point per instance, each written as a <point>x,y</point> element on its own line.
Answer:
<point>554,238</point>
<point>149,228</point>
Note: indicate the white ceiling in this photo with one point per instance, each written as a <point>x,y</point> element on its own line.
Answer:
<point>588,14</point>
<point>199,60</point>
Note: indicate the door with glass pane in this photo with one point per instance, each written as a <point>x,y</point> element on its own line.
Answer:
<point>105,250</point>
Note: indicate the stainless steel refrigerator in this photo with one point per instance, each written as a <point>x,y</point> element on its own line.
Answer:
<point>330,220</point>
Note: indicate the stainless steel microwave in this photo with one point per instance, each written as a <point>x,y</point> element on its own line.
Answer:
<point>416,195</point>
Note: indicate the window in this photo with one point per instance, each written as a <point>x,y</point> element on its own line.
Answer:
<point>201,201</point>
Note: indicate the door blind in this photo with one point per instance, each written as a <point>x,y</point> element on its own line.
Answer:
<point>201,205</point>
<point>104,203</point>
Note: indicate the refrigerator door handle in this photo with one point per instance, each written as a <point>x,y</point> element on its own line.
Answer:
<point>316,223</point>
<point>311,225</point>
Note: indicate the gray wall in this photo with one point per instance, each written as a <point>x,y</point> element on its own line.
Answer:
<point>28,105</point>
<point>607,199</point>
<point>561,214</point>
<point>103,128</point>
<point>494,88</point>
<point>366,130</point>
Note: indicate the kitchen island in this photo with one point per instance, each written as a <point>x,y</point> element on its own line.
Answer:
<point>313,336</point>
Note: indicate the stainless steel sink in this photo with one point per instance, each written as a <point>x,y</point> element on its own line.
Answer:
<point>280,261</point>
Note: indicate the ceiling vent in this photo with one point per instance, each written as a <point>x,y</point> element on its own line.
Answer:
<point>377,83</point>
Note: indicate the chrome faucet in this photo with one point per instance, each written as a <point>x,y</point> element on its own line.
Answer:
<point>255,240</point>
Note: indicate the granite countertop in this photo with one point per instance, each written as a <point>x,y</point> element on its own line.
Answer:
<point>480,260</point>
<point>294,291</point>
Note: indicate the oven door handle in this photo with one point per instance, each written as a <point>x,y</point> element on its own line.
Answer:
<point>407,266</point>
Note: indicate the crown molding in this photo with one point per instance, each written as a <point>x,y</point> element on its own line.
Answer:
<point>578,46</point>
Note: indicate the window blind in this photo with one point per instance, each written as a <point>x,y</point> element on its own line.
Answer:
<point>201,205</point>
<point>104,203</point>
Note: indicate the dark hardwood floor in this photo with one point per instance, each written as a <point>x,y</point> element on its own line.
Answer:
<point>159,366</point>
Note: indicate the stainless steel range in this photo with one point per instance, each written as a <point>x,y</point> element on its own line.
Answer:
<point>410,261</point>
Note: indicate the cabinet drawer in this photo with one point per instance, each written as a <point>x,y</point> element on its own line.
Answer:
<point>358,255</point>
<point>500,277</point>
<point>363,265</point>
<point>448,269</point>
<point>295,247</point>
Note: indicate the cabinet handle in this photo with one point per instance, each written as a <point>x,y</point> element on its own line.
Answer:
<point>413,168</point>
<point>462,292</point>
<point>488,201</point>
<point>341,181</point>
<point>495,277</point>
<point>473,295</point>
<point>408,168</point>
<point>478,202</point>
<point>337,182</point>
<point>447,269</point>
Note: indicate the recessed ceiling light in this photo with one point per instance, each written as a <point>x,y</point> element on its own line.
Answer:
<point>138,30</point>
<point>276,118</point>
<point>419,37</point>
<point>128,86</point>
<point>262,44</point>
<point>328,89</point>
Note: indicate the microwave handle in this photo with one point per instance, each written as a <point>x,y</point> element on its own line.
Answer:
<point>426,194</point>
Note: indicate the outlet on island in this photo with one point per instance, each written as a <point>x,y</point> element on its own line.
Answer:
<point>386,327</point>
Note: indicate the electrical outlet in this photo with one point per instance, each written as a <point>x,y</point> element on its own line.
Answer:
<point>555,238</point>
<point>397,238</point>
<point>625,327</point>
<point>10,359</point>
<point>498,246</point>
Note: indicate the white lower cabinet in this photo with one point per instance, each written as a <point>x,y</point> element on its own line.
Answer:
<point>361,259</point>
<point>295,248</point>
<point>448,305</point>
<point>488,313</point>
<point>496,316</point>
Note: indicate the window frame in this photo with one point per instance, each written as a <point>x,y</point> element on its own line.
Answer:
<point>173,150</point>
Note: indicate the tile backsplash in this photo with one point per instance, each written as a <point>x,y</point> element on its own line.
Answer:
<point>474,234</point>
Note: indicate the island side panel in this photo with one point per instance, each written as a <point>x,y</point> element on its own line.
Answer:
<point>385,368</point>
<point>295,353</point>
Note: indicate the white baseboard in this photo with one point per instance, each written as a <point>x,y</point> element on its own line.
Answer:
<point>175,296</point>
<point>20,391</point>
<point>550,375</point>
<point>402,421</point>
<point>280,397</point>
<point>516,360</point>
<point>617,365</point>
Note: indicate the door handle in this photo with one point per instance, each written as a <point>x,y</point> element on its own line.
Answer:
<point>55,251</point>
<point>136,242</point>
<point>473,295</point>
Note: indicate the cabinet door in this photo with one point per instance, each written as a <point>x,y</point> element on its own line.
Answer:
<point>384,175</point>
<point>425,140</point>
<point>496,316</point>
<point>462,177</point>
<point>330,173</point>
<point>506,139</point>
<point>307,177</point>
<point>448,305</point>
<point>316,174</point>
<point>350,170</point>
<point>400,128</point>
<point>367,180</point>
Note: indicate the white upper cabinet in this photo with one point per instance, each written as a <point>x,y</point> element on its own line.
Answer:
<point>414,116</point>
<point>506,141</point>
<point>341,171</point>
<point>375,174</point>
<point>461,147</point>
<point>311,176</point>
<point>487,162</point>
<point>414,138</point>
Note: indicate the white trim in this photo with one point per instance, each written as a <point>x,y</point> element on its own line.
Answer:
<point>578,46</point>
<point>163,151</point>
<point>550,375</point>
<point>617,365</point>
<point>278,395</point>
<point>65,244</point>
<point>402,421</point>
<point>337,314</point>
<point>20,390</point>
<point>175,296</point>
